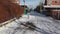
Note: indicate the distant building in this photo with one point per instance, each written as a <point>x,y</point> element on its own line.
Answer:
<point>53,6</point>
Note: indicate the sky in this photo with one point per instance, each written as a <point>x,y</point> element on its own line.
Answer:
<point>31,3</point>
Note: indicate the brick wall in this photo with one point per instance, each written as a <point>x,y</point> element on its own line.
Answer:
<point>54,14</point>
<point>53,2</point>
<point>15,1</point>
<point>9,11</point>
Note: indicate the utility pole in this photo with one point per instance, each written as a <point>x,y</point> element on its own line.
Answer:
<point>24,3</point>
<point>41,6</point>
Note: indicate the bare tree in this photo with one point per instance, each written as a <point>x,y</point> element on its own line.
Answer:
<point>41,7</point>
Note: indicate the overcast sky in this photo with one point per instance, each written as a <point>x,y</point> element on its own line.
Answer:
<point>31,3</point>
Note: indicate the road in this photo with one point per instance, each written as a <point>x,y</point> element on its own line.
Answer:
<point>47,25</point>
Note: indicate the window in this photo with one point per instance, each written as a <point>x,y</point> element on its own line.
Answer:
<point>55,1</point>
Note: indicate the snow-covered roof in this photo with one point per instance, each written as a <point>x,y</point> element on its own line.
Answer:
<point>52,6</point>
<point>56,10</point>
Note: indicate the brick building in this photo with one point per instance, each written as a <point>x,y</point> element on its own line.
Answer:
<point>53,2</point>
<point>15,1</point>
<point>9,10</point>
<point>53,6</point>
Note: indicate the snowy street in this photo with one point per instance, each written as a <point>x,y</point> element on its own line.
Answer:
<point>47,25</point>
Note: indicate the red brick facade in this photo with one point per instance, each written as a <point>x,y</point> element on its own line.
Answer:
<point>53,2</point>
<point>9,10</point>
<point>53,13</point>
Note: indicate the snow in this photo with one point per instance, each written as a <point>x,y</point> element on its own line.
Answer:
<point>47,25</point>
<point>52,6</point>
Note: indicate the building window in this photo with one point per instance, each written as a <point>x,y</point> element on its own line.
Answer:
<point>55,1</point>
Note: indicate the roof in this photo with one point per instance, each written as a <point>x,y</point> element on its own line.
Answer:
<point>52,6</point>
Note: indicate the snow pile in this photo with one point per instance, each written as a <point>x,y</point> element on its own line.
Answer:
<point>47,25</point>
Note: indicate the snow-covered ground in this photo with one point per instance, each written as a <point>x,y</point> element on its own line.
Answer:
<point>47,25</point>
